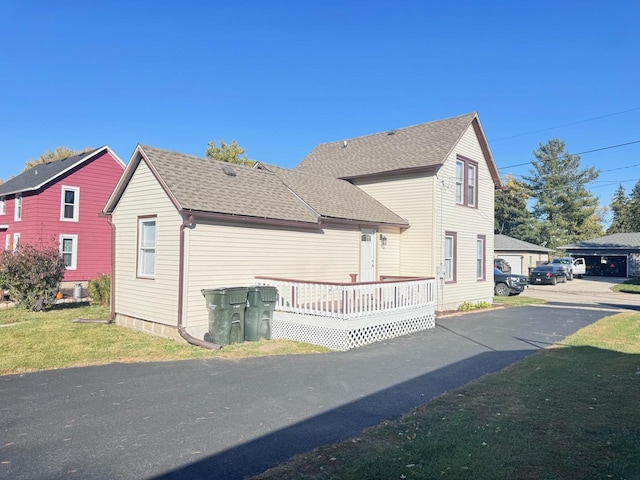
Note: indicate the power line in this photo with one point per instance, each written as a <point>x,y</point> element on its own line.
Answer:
<point>566,125</point>
<point>581,153</point>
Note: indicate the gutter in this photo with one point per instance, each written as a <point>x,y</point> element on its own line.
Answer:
<point>183,332</point>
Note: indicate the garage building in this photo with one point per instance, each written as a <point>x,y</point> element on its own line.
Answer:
<point>616,255</point>
<point>520,255</point>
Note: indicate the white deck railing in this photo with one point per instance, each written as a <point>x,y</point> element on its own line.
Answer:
<point>351,300</point>
<point>348,315</point>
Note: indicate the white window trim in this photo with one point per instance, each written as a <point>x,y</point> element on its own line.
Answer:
<point>74,249</point>
<point>76,204</point>
<point>481,253</point>
<point>16,242</point>
<point>142,250</point>
<point>7,241</point>
<point>17,207</point>
<point>450,262</point>
<point>3,205</point>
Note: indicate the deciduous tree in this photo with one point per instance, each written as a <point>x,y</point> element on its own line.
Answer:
<point>52,155</point>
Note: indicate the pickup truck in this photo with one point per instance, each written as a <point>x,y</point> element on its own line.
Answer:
<point>576,267</point>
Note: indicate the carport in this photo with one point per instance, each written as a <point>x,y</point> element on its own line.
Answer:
<point>616,255</point>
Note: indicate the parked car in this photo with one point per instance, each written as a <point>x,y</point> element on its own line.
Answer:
<point>575,267</point>
<point>506,284</point>
<point>548,274</point>
<point>502,265</point>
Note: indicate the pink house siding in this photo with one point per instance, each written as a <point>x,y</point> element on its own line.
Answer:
<point>41,221</point>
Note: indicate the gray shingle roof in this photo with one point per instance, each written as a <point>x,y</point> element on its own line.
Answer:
<point>333,198</point>
<point>616,240</point>
<point>423,145</point>
<point>504,243</point>
<point>201,185</point>
<point>41,174</point>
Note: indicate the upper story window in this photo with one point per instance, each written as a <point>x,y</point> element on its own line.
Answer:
<point>17,213</point>
<point>70,204</point>
<point>3,205</point>
<point>147,247</point>
<point>466,182</point>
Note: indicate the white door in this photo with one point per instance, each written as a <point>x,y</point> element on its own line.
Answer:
<point>367,256</point>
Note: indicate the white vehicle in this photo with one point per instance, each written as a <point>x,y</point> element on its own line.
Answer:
<point>576,267</point>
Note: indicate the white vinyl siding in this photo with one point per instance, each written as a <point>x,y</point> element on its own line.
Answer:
<point>231,255</point>
<point>69,251</point>
<point>412,198</point>
<point>70,204</point>
<point>153,300</point>
<point>468,223</point>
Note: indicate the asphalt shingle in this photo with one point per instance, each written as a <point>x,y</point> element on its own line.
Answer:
<point>424,145</point>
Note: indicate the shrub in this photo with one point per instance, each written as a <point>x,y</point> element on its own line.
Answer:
<point>32,275</point>
<point>468,306</point>
<point>100,289</point>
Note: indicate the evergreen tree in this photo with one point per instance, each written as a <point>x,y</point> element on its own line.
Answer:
<point>512,216</point>
<point>567,210</point>
<point>228,152</point>
<point>633,210</point>
<point>620,208</point>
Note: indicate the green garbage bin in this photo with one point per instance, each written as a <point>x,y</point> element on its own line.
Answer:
<point>226,314</point>
<point>261,300</point>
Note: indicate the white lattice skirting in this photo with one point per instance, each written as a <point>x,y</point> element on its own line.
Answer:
<point>340,334</point>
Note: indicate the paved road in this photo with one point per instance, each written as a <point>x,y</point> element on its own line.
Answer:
<point>224,419</point>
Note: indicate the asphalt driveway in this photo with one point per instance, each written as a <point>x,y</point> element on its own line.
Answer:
<point>224,419</point>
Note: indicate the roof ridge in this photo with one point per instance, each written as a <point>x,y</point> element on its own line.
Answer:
<point>386,132</point>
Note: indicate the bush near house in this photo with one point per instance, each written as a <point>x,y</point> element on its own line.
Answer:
<point>100,289</point>
<point>32,275</point>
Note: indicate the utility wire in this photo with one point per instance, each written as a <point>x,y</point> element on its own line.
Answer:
<point>566,125</point>
<point>581,153</point>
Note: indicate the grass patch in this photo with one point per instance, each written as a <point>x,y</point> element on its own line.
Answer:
<point>565,412</point>
<point>631,285</point>
<point>516,301</point>
<point>48,340</point>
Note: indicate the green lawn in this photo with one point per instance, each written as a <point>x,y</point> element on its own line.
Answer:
<point>46,340</point>
<point>568,412</point>
<point>631,285</point>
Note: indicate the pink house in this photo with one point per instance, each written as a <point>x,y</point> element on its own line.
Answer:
<point>60,202</point>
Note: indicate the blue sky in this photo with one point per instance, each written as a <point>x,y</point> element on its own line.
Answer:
<point>282,76</point>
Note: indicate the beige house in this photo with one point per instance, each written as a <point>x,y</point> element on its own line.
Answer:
<point>411,205</point>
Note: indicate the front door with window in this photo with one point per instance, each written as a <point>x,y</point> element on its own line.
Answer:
<point>367,256</point>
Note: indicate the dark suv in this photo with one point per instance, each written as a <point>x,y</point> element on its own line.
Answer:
<point>506,284</point>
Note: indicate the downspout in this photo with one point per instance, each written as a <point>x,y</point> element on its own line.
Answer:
<point>183,332</point>
<point>112,286</point>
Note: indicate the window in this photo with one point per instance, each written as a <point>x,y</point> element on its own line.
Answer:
<point>480,256</point>
<point>450,250</point>
<point>147,247</point>
<point>16,242</point>
<point>69,250</point>
<point>466,182</point>
<point>69,204</point>
<point>3,205</point>
<point>7,241</point>
<point>17,214</point>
